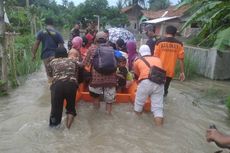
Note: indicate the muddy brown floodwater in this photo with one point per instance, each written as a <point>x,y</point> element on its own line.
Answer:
<point>189,109</point>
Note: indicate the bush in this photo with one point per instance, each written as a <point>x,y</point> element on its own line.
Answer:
<point>190,67</point>
<point>3,90</point>
<point>21,62</point>
<point>228,103</point>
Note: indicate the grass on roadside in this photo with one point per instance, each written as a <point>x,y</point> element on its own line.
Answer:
<point>228,103</point>
<point>20,60</point>
<point>190,67</point>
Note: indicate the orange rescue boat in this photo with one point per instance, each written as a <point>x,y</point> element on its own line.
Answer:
<point>126,96</point>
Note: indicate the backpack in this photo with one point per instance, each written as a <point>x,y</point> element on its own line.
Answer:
<point>104,60</point>
<point>156,74</point>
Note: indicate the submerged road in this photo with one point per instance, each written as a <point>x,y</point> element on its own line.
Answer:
<point>24,124</point>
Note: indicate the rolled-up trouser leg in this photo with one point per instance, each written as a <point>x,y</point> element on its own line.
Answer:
<point>157,101</point>
<point>57,98</point>
<point>46,63</point>
<point>70,95</point>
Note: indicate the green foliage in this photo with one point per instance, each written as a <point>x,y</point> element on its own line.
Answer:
<point>190,67</point>
<point>113,20</point>
<point>228,103</point>
<point>3,90</point>
<point>156,5</point>
<point>21,62</point>
<point>202,42</point>
<point>29,20</point>
<point>213,17</point>
<point>24,64</point>
<point>222,42</point>
<point>19,20</point>
<point>108,15</point>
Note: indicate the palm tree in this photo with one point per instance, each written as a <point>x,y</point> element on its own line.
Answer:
<point>212,15</point>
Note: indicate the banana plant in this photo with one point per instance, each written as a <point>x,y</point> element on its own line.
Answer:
<point>213,17</point>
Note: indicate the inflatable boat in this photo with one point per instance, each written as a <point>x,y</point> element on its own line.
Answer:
<point>126,96</point>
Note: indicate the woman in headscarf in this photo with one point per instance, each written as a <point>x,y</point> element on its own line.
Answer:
<point>75,50</point>
<point>132,53</point>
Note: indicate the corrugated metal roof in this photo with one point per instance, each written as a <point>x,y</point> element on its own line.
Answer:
<point>161,19</point>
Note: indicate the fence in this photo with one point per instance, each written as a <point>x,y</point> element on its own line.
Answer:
<point>211,63</point>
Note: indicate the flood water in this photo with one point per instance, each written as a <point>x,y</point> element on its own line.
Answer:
<point>24,123</point>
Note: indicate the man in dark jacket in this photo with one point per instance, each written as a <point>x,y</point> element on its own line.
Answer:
<point>150,32</point>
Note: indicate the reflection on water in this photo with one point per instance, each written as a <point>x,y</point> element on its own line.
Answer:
<point>24,125</point>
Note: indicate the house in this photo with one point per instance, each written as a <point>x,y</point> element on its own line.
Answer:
<point>163,18</point>
<point>134,13</point>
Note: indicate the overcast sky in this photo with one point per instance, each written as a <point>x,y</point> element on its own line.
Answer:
<point>111,2</point>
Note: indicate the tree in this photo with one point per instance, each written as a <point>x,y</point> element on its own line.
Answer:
<point>92,7</point>
<point>212,16</point>
<point>65,3</point>
<point>156,5</point>
<point>120,4</point>
<point>115,18</point>
<point>133,2</point>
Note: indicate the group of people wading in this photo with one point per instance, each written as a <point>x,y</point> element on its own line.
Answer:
<point>107,68</point>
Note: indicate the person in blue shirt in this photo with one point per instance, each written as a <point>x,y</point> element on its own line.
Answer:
<point>50,39</point>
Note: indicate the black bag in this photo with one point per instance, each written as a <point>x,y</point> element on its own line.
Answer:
<point>104,60</point>
<point>59,48</point>
<point>156,74</point>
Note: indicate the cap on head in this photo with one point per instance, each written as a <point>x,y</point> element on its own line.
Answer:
<point>144,50</point>
<point>101,35</point>
<point>150,27</point>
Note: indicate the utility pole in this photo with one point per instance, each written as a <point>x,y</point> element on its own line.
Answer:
<point>98,22</point>
<point>3,64</point>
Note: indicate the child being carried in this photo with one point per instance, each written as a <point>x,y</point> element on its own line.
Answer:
<point>123,75</point>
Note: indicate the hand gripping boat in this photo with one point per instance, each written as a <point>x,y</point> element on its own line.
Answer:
<point>126,96</point>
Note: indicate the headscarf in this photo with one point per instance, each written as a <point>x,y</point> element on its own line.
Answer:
<point>132,53</point>
<point>144,50</point>
<point>77,42</point>
<point>90,38</point>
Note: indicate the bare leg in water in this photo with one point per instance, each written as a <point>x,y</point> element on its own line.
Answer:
<point>69,120</point>
<point>109,108</point>
<point>96,103</point>
<point>158,121</point>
